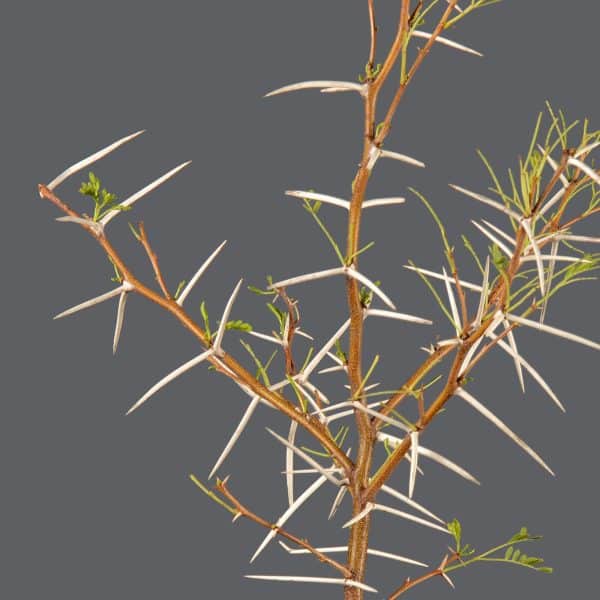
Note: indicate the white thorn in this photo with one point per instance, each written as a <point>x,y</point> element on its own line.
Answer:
<point>325,580</point>
<point>225,318</point>
<point>308,277</point>
<point>575,162</point>
<point>313,389</point>
<point>320,355</point>
<point>194,280</point>
<point>513,344</point>
<point>553,331</point>
<point>453,306</point>
<point>352,272</point>
<point>557,258</point>
<point>466,284</point>
<point>500,232</point>
<point>268,338</point>
<point>579,238</point>
<point>141,193</point>
<point>402,158</point>
<point>551,267</point>
<point>82,164</point>
<point>332,369</point>
<point>485,200</point>
<point>304,334</point>
<point>119,320</point>
<point>300,500</point>
<point>400,496</point>
<point>383,202</point>
<point>168,378</point>
<point>408,517</point>
<point>95,226</point>
<point>414,449</point>
<point>370,506</point>
<point>530,369</point>
<point>457,8</point>
<point>318,84</point>
<point>370,551</point>
<point>337,501</point>
<point>488,414</point>
<point>389,420</point>
<point>289,462</point>
<point>445,42</point>
<point>91,302</point>
<point>375,312</point>
<point>586,149</point>
<point>484,293</point>
<point>432,455</point>
<point>448,580</point>
<point>526,224</point>
<point>558,196</point>
<point>494,239</point>
<point>554,166</point>
<point>307,458</point>
<point>319,198</point>
<point>236,434</point>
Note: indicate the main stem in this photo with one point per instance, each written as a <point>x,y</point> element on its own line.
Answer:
<point>359,534</point>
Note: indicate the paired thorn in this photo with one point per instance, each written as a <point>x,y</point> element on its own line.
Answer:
<point>124,287</point>
<point>349,271</point>
<point>432,455</point>
<point>373,506</point>
<point>95,226</point>
<point>370,551</point>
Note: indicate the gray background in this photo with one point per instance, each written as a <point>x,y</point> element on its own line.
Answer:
<point>96,505</point>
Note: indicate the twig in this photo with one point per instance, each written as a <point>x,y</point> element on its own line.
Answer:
<point>248,514</point>
<point>153,260</point>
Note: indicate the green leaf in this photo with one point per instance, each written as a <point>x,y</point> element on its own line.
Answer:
<point>238,325</point>
<point>279,315</point>
<point>205,318</point>
<point>455,528</point>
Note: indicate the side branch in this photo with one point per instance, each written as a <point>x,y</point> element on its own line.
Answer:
<point>248,514</point>
<point>225,363</point>
<point>143,237</point>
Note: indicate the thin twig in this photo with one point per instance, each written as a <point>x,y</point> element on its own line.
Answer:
<point>153,260</point>
<point>248,514</point>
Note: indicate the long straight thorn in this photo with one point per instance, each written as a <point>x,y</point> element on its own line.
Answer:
<point>82,164</point>
<point>192,282</point>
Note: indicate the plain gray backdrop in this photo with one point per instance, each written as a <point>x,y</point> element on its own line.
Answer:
<point>96,505</point>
